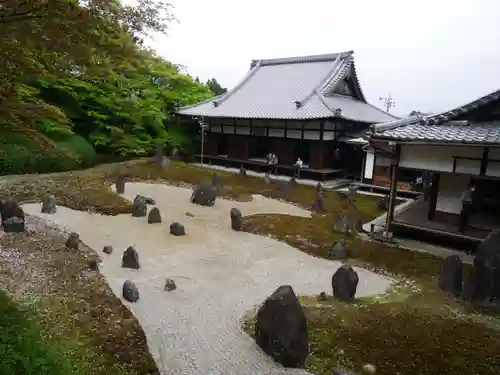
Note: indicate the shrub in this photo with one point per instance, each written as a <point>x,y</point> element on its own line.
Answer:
<point>19,154</point>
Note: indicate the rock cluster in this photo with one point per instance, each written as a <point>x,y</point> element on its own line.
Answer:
<point>12,216</point>
<point>281,328</point>
<point>139,207</point>
<point>169,285</point>
<point>236,219</point>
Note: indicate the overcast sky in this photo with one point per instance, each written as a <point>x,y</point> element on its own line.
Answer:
<point>429,55</point>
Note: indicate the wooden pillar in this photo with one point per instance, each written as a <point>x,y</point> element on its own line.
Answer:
<point>393,190</point>
<point>434,190</point>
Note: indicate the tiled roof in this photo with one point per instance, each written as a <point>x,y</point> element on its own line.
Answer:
<point>441,127</point>
<point>453,132</point>
<point>293,88</point>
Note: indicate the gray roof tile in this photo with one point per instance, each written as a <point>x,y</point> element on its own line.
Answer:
<point>453,132</point>
<point>272,87</point>
<point>441,127</point>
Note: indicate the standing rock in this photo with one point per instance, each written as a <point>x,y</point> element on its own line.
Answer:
<point>344,283</point>
<point>107,249</point>
<point>267,179</point>
<point>130,291</point>
<point>130,259</point>
<point>204,195</point>
<point>341,224</point>
<point>12,216</point>
<point>165,162</point>
<point>158,158</point>
<point>169,285</point>
<point>154,216</point>
<point>450,280</point>
<point>120,184</point>
<point>319,188</point>
<point>73,241</point>
<point>339,250</point>
<point>177,229</point>
<point>236,219</point>
<point>139,207</point>
<point>148,200</point>
<point>383,203</point>
<point>292,180</point>
<point>93,265</point>
<point>49,204</point>
<point>484,281</point>
<point>318,203</point>
<point>281,328</point>
<point>243,171</point>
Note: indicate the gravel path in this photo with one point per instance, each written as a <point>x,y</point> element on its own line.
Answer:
<point>220,274</point>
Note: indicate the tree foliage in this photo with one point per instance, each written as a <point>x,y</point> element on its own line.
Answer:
<point>71,66</point>
<point>215,87</point>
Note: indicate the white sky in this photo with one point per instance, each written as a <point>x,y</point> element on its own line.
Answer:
<point>430,55</point>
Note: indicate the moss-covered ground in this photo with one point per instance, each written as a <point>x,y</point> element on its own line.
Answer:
<point>414,330</point>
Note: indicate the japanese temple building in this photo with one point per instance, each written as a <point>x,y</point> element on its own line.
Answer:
<point>308,107</point>
<point>453,150</point>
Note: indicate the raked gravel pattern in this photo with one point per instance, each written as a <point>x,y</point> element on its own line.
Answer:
<point>220,274</point>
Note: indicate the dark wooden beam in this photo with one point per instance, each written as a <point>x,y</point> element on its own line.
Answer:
<point>209,125</point>
<point>321,130</point>
<point>234,125</point>
<point>393,190</point>
<point>434,190</point>
<point>302,130</point>
<point>251,127</point>
<point>484,161</point>
<point>286,129</point>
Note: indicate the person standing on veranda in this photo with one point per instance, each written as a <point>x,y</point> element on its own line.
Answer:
<point>467,201</point>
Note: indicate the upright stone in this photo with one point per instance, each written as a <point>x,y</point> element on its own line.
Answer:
<point>215,181</point>
<point>341,224</point>
<point>154,216</point>
<point>120,184</point>
<point>345,283</point>
<point>484,281</point>
<point>49,204</point>
<point>281,328</point>
<point>383,203</point>
<point>130,291</point>
<point>319,188</point>
<point>243,171</point>
<point>339,250</point>
<point>318,202</point>
<point>139,207</point>
<point>73,241</point>
<point>107,250</point>
<point>267,179</point>
<point>130,259</point>
<point>174,155</point>
<point>12,216</point>
<point>292,180</point>
<point>158,159</point>
<point>236,219</point>
<point>450,280</point>
<point>204,195</point>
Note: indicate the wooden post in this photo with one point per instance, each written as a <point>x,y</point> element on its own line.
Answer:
<point>393,191</point>
<point>433,196</point>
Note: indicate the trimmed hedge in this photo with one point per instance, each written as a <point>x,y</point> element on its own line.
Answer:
<point>19,154</point>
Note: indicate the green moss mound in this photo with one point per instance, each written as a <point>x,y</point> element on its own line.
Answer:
<point>20,154</point>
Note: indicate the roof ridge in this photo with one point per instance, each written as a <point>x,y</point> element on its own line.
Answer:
<point>441,117</point>
<point>356,81</point>
<point>334,81</point>
<point>331,74</point>
<point>304,59</point>
<point>389,125</point>
<point>245,79</point>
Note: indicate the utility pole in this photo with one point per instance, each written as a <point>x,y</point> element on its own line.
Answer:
<point>388,102</point>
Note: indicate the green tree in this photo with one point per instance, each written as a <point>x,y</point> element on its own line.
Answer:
<point>60,38</point>
<point>215,87</point>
